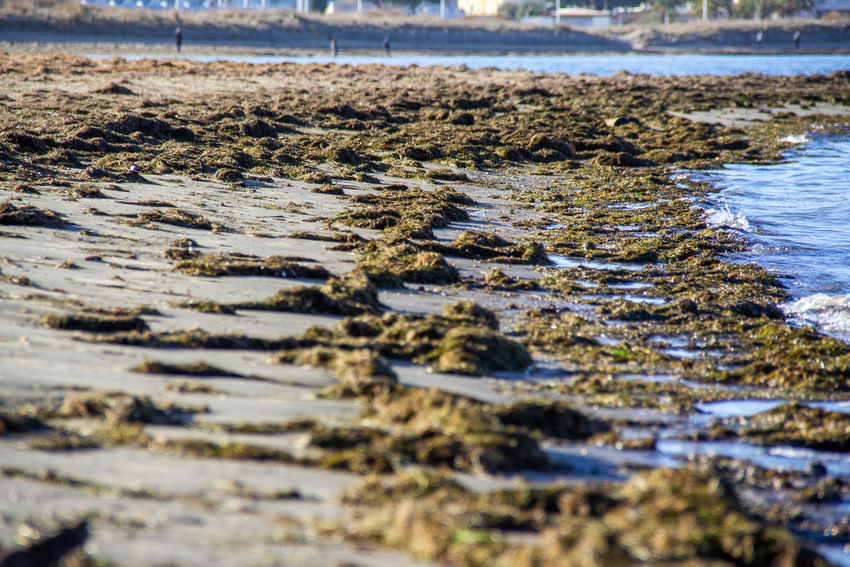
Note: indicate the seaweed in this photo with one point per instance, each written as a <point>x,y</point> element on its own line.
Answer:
<point>94,323</point>
<point>412,263</point>
<point>28,215</point>
<point>359,371</point>
<point>232,264</point>
<point>349,295</point>
<point>177,217</point>
<point>463,340</point>
<point>700,519</point>
<point>791,424</point>
<point>199,368</point>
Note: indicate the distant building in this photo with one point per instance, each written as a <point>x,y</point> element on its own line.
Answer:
<point>826,6</point>
<point>483,7</point>
<point>348,6</point>
<point>575,18</point>
<point>428,8</point>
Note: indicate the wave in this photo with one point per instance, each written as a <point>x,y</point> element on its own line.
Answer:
<point>827,313</point>
<point>799,139</point>
<point>724,217</point>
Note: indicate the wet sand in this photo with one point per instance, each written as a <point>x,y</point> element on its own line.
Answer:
<point>323,315</point>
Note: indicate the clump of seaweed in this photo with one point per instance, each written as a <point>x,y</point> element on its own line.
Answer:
<point>783,356</point>
<point>348,296</point>
<point>411,262</point>
<point>791,424</point>
<point>207,307</point>
<point>497,279</point>
<point>94,322</point>
<point>85,191</point>
<point>196,339</point>
<point>232,264</point>
<point>411,212</point>
<point>359,371</point>
<point>28,215</point>
<point>116,407</point>
<point>177,217</point>
<point>659,517</point>
<point>17,421</point>
<point>198,368</point>
<point>464,340</point>
<point>180,253</point>
<point>340,237</point>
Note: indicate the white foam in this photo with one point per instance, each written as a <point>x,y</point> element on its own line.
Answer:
<point>799,139</point>
<point>828,313</point>
<point>724,217</point>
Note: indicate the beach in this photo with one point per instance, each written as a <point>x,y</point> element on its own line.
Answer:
<point>369,315</point>
<point>76,28</point>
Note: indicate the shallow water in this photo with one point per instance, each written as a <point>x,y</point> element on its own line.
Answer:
<point>565,262</point>
<point>574,64</point>
<point>797,217</point>
<point>779,458</point>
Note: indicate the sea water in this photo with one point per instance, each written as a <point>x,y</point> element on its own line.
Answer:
<point>796,216</point>
<point>571,63</point>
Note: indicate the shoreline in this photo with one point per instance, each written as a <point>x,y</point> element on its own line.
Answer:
<point>364,33</point>
<point>239,318</point>
<point>36,43</point>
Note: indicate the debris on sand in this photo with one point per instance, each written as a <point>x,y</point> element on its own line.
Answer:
<point>12,213</point>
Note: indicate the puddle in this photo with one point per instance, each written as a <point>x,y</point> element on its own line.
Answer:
<point>690,354</point>
<point>630,285</point>
<point>738,408</point>
<point>672,341</point>
<point>779,458</point>
<point>565,262</point>
<point>747,408</point>
<point>635,206</point>
<point>651,378</point>
<point>627,297</point>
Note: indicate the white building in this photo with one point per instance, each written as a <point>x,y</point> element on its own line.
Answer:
<point>429,8</point>
<point>575,18</point>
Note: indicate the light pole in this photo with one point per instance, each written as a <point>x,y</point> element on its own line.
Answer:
<point>704,9</point>
<point>557,13</point>
<point>442,9</point>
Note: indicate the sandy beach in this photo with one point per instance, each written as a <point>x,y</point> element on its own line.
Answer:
<point>332,315</point>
